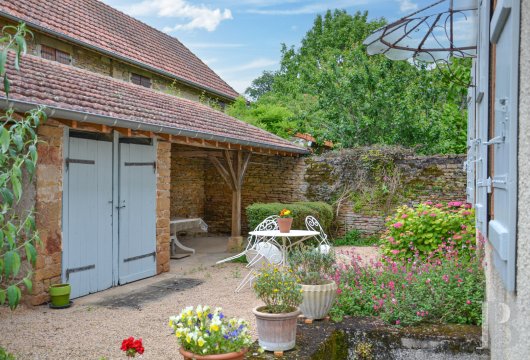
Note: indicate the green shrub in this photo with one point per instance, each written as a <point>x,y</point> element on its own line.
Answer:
<point>323,212</point>
<point>421,229</point>
<point>311,266</point>
<point>278,288</point>
<point>4,355</point>
<point>355,238</point>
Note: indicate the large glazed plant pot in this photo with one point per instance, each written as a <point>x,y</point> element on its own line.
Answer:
<point>284,224</point>
<point>318,299</point>
<point>276,332</point>
<point>228,356</point>
<point>60,294</point>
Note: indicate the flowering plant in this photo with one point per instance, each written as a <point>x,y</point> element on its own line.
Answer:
<point>286,213</point>
<point>421,229</point>
<point>206,332</point>
<point>279,289</point>
<point>132,346</point>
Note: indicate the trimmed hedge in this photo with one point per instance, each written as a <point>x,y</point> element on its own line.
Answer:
<point>323,212</point>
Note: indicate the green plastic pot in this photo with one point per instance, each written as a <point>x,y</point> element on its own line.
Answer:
<point>60,294</point>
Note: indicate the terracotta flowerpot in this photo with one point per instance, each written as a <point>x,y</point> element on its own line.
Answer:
<point>318,299</point>
<point>284,224</point>
<point>228,356</point>
<point>276,332</point>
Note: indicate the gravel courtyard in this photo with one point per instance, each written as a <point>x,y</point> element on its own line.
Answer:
<point>94,327</point>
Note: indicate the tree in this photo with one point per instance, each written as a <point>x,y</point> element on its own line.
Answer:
<point>336,92</point>
<point>18,156</point>
<point>261,85</point>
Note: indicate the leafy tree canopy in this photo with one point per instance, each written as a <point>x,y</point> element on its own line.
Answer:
<point>331,88</point>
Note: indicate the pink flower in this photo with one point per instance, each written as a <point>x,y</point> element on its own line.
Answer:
<point>428,281</point>
<point>468,302</point>
<point>428,202</point>
<point>445,278</point>
<point>432,215</point>
<point>438,205</point>
<point>398,322</point>
<point>339,291</point>
<point>395,252</point>
<point>404,216</point>
<point>397,225</point>
<point>465,213</point>
<point>457,237</point>
<point>468,206</point>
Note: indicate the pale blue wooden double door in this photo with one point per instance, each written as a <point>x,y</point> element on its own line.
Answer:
<point>109,211</point>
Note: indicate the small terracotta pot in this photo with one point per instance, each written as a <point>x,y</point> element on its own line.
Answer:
<point>276,332</point>
<point>284,224</point>
<point>228,356</point>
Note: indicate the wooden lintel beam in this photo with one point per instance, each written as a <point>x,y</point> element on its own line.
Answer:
<point>73,124</point>
<point>148,134</point>
<point>124,131</point>
<point>197,153</point>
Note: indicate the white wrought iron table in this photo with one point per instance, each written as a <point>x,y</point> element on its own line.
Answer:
<point>183,224</point>
<point>289,239</point>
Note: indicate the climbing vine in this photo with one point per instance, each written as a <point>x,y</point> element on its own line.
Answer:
<point>18,158</point>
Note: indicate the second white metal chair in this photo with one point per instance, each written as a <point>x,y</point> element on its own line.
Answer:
<point>324,245</point>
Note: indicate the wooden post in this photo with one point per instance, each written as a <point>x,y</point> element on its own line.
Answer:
<point>233,173</point>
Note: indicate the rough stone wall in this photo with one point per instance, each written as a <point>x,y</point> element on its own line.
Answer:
<point>268,179</point>
<point>48,209</point>
<point>187,184</point>
<point>507,326</point>
<point>324,178</point>
<point>163,186</point>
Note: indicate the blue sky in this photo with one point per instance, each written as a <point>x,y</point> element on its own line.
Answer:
<point>241,39</point>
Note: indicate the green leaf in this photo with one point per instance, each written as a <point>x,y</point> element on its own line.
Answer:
<point>16,263</point>
<point>21,43</point>
<point>31,253</point>
<point>7,86</point>
<point>13,296</point>
<point>17,187</point>
<point>2,297</point>
<point>33,153</point>
<point>3,61</point>
<point>5,139</point>
<point>30,166</point>
<point>28,284</point>
<point>9,260</point>
<point>7,196</point>
<point>19,142</point>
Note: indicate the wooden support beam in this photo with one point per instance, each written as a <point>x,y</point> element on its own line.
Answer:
<point>198,153</point>
<point>124,131</point>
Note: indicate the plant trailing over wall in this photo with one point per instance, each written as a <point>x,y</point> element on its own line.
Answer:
<point>18,155</point>
<point>320,210</point>
<point>419,230</point>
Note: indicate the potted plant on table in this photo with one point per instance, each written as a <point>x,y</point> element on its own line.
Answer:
<point>285,221</point>
<point>206,334</point>
<point>276,321</point>
<point>314,269</point>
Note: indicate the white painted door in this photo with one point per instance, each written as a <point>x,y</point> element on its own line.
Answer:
<point>137,214</point>
<point>87,214</point>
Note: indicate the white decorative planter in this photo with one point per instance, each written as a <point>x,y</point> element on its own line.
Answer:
<point>318,299</point>
<point>276,332</point>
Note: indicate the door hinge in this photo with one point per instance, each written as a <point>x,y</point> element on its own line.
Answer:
<point>496,140</point>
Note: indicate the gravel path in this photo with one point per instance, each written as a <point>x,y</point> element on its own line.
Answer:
<point>89,330</point>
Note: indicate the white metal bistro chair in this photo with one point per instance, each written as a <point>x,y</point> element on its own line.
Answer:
<point>268,224</point>
<point>263,254</point>
<point>323,244</point>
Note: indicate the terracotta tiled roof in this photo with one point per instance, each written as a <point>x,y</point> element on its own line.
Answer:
<point>95,24</point>
<point>59,86</point>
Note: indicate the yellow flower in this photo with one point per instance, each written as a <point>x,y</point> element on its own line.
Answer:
<point>275,290</point>
<point>200,342</point>
<point>188,338</point>
<point>214,327</point>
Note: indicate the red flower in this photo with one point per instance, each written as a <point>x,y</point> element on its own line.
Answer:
<point>132,346</point>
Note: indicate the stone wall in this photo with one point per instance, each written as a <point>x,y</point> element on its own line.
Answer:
<point>268,179</point>
<point>332,177</point>
<point>187,184</point>
<point>48,209</point>
<point>163,186</point>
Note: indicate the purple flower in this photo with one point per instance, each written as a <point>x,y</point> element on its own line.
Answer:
<point>210,316</point>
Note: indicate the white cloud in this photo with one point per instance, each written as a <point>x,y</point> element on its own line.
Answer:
<point>312,8</point>
<point>407,6</point>
<point>198,16</point>
<point>260,64</point>
<point>214,45</point>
